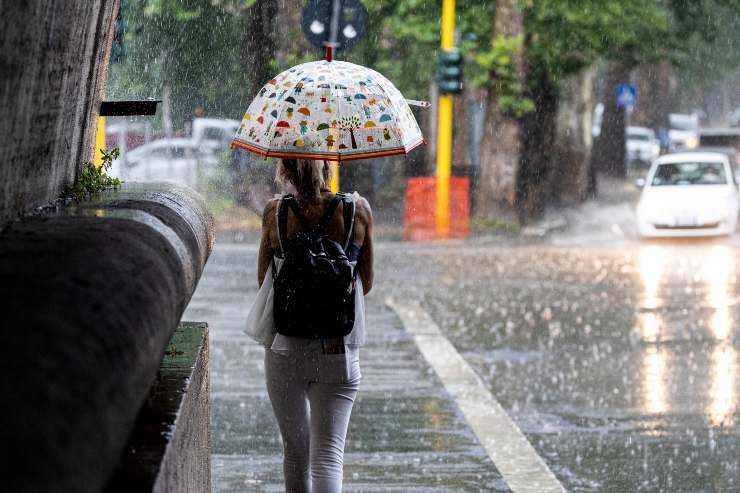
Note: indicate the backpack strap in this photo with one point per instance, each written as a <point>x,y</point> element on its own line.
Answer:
<point>282,220</point>
<point>349,218</point>
<point>324,223</point>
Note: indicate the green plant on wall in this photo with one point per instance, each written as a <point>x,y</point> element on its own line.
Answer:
<point>93,178</point>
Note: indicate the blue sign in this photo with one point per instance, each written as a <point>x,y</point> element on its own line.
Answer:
<point>626,95</point>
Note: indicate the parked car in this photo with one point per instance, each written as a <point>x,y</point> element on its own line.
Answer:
<point>688,194</point>
<point>215,130</point>
<point>642,146</point>
<point>178,160</point>
<point>683,131</point>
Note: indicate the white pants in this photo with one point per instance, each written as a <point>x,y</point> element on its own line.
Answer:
<point>312,396</point>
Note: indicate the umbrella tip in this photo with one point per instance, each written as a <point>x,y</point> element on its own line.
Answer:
<point>329,52</point>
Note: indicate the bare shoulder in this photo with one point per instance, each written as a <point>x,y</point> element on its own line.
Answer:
<point>364,212</point>
<point>268,214</point>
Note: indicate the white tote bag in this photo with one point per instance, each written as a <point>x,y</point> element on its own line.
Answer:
<point>260,321</point>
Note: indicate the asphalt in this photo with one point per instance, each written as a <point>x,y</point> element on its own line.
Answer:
<point>616,359</point>
<point>619,364</point>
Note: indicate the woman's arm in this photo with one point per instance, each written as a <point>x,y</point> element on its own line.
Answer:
<point>266,250</point>
<point>364,237</point>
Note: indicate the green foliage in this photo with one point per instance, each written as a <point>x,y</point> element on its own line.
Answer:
<point>707,42</point>
<point>93,178</point>
<point>562,38</point>
<point>191,46</point>
<point>401,42</point>
<point>559,39</point>
<point>500,75</point>
<point>195,46</point>
<point>493,225</point>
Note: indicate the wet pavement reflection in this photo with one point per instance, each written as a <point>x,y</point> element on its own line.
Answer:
<point>406,433</point>
<point>620,365</point>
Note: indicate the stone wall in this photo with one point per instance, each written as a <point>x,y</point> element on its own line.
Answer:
<point>169,449</point>
<point>53,62</point>
<point>91,295</point>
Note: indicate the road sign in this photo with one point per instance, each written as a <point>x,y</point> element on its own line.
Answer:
<point>626,95</point>
<point>338,22</point>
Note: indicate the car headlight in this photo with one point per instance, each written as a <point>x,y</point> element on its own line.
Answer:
<point>692,142</point>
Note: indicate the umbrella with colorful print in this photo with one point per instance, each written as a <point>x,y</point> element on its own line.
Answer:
<point>331,110</point>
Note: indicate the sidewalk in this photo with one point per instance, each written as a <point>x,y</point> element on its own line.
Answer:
<point>406,433</point>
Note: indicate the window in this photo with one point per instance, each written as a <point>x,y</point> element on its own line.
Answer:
<point>690,173</point>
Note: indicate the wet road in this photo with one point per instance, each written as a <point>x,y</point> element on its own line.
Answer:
<point>619,364</point>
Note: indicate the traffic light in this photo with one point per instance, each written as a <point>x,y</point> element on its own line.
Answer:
<point>449,72</point>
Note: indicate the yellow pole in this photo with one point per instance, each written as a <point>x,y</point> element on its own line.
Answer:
<point>444,131</point>
<point>334,181</point>
<point>99,142</point>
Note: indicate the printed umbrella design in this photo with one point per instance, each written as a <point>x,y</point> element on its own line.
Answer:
<point>331,110</point>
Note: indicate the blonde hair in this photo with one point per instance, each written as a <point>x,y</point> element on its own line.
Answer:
<point>307,177</point>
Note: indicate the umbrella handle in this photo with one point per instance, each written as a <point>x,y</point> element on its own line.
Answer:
<point>329,52</point>
<point>414,102</point>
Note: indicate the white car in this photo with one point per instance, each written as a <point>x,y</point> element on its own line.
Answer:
<point>683,131</point>
<point>688,194</point>
<point>178,160</point>
<point>214,130</point>
<point>642,146</point>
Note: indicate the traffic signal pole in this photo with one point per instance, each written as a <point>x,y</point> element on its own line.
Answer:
<point>333,31</point>
<point>444,131</point>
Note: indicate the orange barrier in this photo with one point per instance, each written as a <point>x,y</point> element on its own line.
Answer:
<point>421,195</point>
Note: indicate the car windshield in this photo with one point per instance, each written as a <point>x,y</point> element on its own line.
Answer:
<point>690,173</point>
<point>636,136</point>
<point>685,123</point>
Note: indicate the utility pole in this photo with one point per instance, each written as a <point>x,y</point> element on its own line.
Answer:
<point>449,81</point>
<point>333,31</point>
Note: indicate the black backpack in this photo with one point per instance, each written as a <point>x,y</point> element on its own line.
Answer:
<point>314,291</point>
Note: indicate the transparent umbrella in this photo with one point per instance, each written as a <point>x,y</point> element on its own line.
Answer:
<point>331,110</point>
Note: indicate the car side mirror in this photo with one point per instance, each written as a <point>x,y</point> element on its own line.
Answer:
<point>640,183</point>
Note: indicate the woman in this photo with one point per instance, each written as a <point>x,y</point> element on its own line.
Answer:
<point>312,390</point>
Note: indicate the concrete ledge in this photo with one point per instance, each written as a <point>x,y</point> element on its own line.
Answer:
<point>169,448</point>
<point>91,295</point>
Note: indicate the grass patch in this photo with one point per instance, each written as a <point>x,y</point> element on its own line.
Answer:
<point>493,225</point>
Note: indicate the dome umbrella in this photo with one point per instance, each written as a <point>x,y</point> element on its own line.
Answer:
<point>331,110</point>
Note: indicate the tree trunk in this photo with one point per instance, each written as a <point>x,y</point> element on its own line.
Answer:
<point>499,162</point>
<point>501,140</point>
<point>258,43</point>
<point>460,129</point>
<point>573,146</point>
<point>654,95</point>
<point>534,178</point>
<point>609,148</point>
